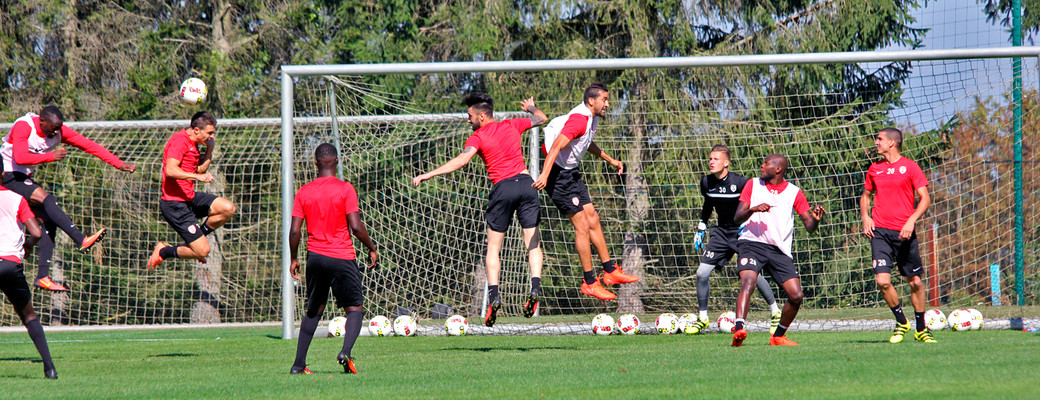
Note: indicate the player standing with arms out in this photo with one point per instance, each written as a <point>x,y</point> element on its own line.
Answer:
<point>14,212</point>
<point>498,144</point>
<point>765,243</point>
<point>567,138</point>
<point>892,182</point>
<point>180,204</point>
<point>721,190</point>
<point>31,142</point>
<point>330,208</point>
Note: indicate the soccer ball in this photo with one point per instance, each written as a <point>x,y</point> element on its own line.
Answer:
<point>727,321</point>
<point>959,320</point>
<point>193,91</point>
<point>404,325</point>
<point>976,319</point>
<point>337,326</point>
<point>935,320</point>
<point>456,325</point>
<point>380,326</point>
<point>603,324</point>
<point>687,320</point>
<point>667,323</point>
<point>628,324</point>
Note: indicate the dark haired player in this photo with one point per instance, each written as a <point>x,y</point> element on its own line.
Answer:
<point>498,144</point>
<point>893,181</point>
<point>14,212</point>
<point>567,138</point>
<point>180,204</point>
<point>765,243</point>
<point>330,208</point>
<point>32,141</point>
<point>721,189</point>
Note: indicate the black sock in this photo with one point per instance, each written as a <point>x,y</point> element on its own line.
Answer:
<point>536,285</point>
<point>307,327</point>
<point>609,266</point>
<point>780,331</point>
<point>46,246</point>
<point>168,252</point>
<point>206,230</point>
<point>738,325</point>
<point>36,334</point>
<point>62,220</point>
<point>590,277</point>
<point>492,292</point>
<point>919,320</point>
<point>352,330</point>
<point>898,312</point>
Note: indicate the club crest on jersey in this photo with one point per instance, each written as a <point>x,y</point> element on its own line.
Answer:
<point>192,229</point>
<point>28,182</point>
<point>743,261</point>
<point>902,170</point>
<point>575,200</point>
<point>733,188</point>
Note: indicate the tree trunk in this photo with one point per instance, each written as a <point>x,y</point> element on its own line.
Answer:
<point>477,290</point>
<point>208,275</point>
<point>633,256</point>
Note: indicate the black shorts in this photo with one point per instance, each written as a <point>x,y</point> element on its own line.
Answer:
<point>757,256</point>
<point>12,283</point>
<point>341,275</point>
<point>887,250</point>
<point>567,190</point>
<point>513,196</point>
<point>184,216</point>
<point>20,183</point>
<point>722,244</point>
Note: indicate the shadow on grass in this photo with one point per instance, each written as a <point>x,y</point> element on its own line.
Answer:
<point>175,355</point>
<point>489,349</point>
<point>34,359</point>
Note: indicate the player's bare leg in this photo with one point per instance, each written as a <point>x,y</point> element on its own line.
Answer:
<point>888,291</point>
<point>590,285</point>
<point>612,273</point>
<point>493,266</point>
<point>220,211</point>
<point>748,281</point>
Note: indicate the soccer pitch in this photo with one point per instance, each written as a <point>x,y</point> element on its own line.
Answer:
<point>254,363</point>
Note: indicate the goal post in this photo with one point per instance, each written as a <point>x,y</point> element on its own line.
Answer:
<point>648,224</point>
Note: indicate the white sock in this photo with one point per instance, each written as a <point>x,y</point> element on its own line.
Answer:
<point>774,309</point>
<point>704,315</point>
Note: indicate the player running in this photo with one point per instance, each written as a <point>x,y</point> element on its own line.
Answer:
<point>31,142</point>
<point>329,206</point>
<point>720,189</point>
<point>180,204</point>
<point>766,240</point>
<point>14,212</point>
<point>892,182</point>
<point>567,138</point>
<point>498,144</point>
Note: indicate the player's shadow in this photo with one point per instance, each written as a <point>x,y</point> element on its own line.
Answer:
<point>490,349</point>
<point>175,355</point>
<point>861,341</point>
<point>30,359</point>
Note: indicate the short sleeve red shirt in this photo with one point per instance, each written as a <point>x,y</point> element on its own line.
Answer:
<point>180,147</point>
<point>324,204</point>
<point>894,185</point>
<point>498,144</point>
<point>577,125</point>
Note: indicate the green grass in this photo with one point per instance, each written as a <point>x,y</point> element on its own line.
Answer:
<point>254,363</point>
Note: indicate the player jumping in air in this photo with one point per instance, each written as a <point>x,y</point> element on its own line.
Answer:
<point>14,212</point>
<point>567,138</point>
<point>31,142</point>
<point>329,206</point>
<point>892,182</point>
<point>180,204</point>
<point>765,243</point>
<point>498,144</point>
<point>721,189</point>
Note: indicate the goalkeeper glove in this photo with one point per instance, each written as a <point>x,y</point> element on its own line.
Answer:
<point>698,239</point>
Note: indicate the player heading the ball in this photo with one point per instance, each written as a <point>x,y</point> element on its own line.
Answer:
<point>893,181</point>
<point>567,138</point>
<point>32,141</point>
<point>180,204</point>
<point>498,143</point>
<point>329,206</point>
<point>765,243</point>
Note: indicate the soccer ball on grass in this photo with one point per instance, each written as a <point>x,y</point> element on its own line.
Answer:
<point>667,323</point>
<point>727,321</point>
<point>380,326</point>
<point>959,320</point>
<point>337,326</point>
<point>603,324</point>
<point>628,324</point>
<point>404,325</point>
<point>935,320</point>
<point>456,325</point>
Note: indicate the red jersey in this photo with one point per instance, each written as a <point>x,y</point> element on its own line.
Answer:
<point>181,148</point>
<point>895,185</point>
<point>498,143</point>
<point>324,204</point>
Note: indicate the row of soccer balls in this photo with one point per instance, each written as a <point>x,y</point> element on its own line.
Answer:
<point>668,323</point>
<point>404,325</point>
